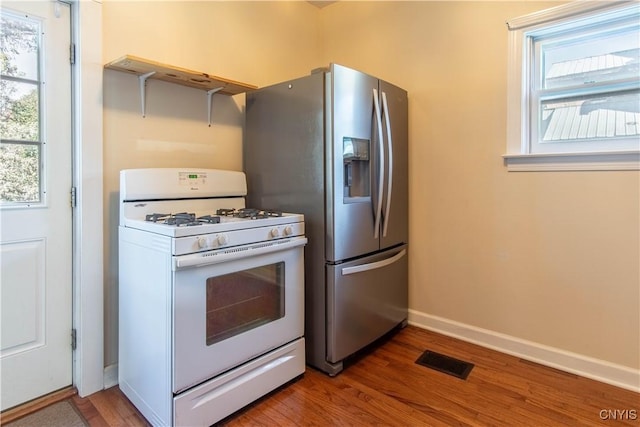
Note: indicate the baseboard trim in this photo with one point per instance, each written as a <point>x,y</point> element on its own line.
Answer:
<point>110,375</point>
<point>596,369</point>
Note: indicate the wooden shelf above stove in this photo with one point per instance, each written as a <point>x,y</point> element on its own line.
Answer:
<point>181,76</point>
<point>146,69</point>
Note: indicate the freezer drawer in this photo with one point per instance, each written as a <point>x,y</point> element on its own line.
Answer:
<point>366,298</point>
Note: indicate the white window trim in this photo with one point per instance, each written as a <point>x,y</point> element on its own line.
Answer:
<point>518,157</point>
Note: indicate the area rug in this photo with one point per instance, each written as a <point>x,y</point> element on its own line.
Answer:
<point>61,414</point>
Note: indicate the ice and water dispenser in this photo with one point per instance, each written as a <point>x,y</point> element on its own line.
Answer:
<point>356,161</point>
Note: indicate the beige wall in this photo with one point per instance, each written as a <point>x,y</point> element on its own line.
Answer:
<point>259,43</point>
<point>550,257</point>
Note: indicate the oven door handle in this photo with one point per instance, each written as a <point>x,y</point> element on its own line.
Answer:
<point>225,255</point>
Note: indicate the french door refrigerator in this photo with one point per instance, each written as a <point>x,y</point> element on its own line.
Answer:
<point>333,146</point>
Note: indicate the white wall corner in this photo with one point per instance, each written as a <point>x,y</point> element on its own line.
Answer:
<point>110,376</point>
<point>596,369</point>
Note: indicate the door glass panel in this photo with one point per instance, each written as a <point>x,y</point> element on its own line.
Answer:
<point>19,173</point>
<point>20,42</point>
<point>19,111</point>
<point>20,104</point>
<point>243,300</point>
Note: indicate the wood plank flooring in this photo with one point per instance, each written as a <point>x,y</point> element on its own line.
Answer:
<point>385,387</point>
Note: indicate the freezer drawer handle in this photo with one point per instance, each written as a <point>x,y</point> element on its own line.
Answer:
<point>373,265</point>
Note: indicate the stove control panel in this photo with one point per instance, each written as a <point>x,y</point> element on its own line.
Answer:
<point>206,242</point>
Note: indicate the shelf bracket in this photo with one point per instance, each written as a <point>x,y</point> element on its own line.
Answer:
<point>142,79</point>
<point>210,99</point>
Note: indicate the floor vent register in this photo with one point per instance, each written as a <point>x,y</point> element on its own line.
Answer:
<point>446,364</point>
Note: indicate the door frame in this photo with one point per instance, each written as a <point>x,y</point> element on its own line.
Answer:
<point>88,246</point>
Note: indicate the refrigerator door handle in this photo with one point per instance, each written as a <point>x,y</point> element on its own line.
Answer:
<point>385,110</point>
<point>376,103</point>
<point>373,265</point>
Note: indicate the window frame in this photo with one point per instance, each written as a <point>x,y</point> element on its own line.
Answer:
<point>519,155</point>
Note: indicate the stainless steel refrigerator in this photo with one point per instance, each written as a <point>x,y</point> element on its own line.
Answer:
<point>333,146</point>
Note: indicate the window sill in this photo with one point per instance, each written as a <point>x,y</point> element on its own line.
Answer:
<point>613,161</point>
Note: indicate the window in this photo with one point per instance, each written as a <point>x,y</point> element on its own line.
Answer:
<point>20,135</point>
<point>574,88</point>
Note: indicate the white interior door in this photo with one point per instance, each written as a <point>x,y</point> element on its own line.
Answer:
<point>35,209</point>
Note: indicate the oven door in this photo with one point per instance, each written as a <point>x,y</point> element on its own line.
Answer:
<point>231,306</point>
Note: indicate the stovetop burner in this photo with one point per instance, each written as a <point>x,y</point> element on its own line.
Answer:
<point>215,208</point>
<point>186,219</point>
<point>250,213</point>
<point>182,219</point>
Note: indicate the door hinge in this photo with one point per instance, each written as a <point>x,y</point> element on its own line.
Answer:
<point>74,197</point>
<point>74,339</point>
<point>72,54</point>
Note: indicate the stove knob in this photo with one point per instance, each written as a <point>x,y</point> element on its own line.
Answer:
<point>274,232</point>
<point>202,242</point>
<point>288,230</point>
<point>222,239</point>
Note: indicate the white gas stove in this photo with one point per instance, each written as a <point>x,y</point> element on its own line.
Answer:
<point>204,207</point>
<point>203,286</point>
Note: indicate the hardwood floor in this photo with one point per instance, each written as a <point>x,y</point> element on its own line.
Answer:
<point>386,387</point>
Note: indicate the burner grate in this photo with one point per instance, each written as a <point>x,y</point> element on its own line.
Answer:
<point>155,217</point>
<point>209,219</point>
<point>271,213</point>
<point>225,212</point>
<point>186,219</point>
<point>249,213</point>
<point>182,219</point>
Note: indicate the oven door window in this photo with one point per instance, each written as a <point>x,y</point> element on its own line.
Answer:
<point>244,300</point>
